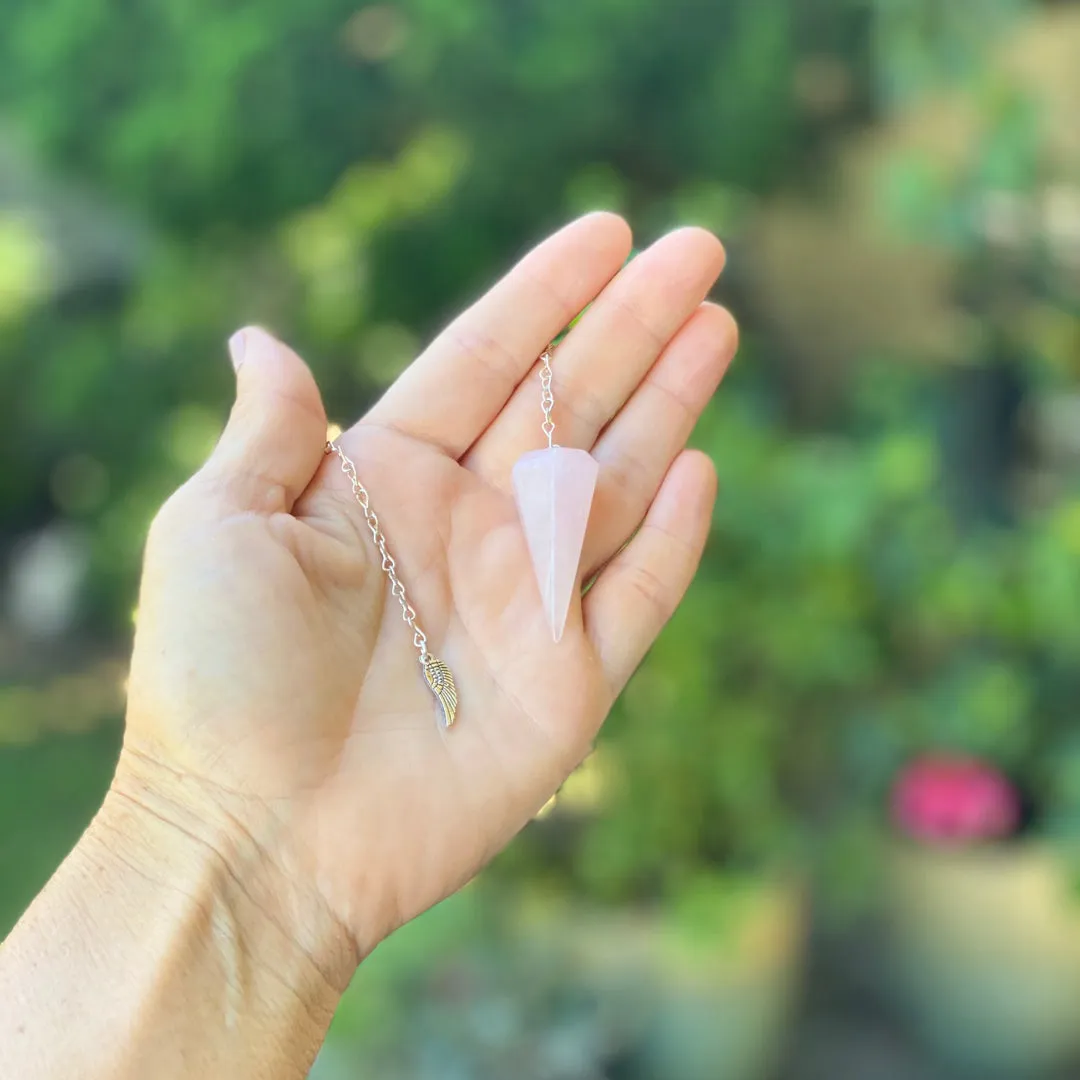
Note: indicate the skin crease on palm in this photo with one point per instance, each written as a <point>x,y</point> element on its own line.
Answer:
<point>274,684</point>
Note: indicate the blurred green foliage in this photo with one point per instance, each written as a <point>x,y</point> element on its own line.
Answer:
<point>896,570</point>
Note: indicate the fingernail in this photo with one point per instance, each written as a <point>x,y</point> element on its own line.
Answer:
<point>237,345</point>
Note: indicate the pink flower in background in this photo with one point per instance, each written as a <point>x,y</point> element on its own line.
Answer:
<point>954,799</point>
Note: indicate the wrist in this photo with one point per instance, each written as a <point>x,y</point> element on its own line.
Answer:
<point>169,944</point>
<point>179,831</point>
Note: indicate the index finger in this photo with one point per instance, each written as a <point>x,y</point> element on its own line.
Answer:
<point>459,384</point>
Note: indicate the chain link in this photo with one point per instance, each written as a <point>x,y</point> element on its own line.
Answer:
<point>547,399</point>
<point>360,493</point>
<point>397,590</point>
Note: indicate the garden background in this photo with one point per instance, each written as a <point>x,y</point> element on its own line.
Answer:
<point>894,569</point>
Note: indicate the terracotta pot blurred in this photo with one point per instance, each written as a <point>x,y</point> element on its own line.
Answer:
<point>985,947</point>
<point>715,1005</point>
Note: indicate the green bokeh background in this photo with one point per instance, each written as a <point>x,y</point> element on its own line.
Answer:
<point>895,559</point>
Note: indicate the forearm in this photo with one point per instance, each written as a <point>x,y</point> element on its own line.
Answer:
<point>164,947</point>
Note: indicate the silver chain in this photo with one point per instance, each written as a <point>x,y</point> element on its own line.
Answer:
<point>408,613</point>
<point>547,399</point>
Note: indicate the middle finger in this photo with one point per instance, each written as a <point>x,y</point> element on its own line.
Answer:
<point>607,354</point>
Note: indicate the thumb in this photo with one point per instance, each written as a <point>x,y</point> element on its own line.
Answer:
<point>276,434</point>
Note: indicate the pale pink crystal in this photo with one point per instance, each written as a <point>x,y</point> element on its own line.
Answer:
<point>554,489</point>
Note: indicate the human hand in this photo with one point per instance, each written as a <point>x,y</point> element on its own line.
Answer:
<point>275,697</point>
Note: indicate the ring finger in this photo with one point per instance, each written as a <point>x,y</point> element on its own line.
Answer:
<point>637,448</point>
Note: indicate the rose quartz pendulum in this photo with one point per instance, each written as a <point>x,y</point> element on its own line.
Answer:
<point>554,488</point>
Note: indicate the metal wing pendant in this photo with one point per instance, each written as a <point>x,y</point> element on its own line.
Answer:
<point>441,681</point>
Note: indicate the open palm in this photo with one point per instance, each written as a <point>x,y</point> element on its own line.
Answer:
<point>272,668</point>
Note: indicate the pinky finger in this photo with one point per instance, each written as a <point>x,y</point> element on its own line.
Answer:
<point>638,591</point>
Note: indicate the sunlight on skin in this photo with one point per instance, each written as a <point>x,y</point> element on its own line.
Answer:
<point>282,765</point>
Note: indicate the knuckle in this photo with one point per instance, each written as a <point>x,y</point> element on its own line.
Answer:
<point>671,398</point>
<point>588,410</point>
<point>649,587</point>
<point>490,353</point>
<point>631,477</point>
<point>633,310</point>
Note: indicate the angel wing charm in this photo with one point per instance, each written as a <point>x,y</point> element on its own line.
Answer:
<point>441,681</point>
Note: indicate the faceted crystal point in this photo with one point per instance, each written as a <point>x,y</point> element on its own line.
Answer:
<point>554,491</point>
